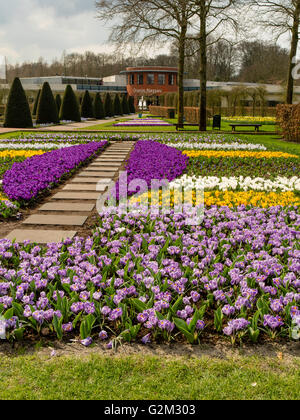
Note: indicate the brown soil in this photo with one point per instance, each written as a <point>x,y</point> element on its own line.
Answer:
<point>219,350</point>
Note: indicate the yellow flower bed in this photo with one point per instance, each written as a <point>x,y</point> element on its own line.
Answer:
<point>20,153</point>
<point>251,198</point>
<point>219,198</point>
<point>236,153</point>
<point>250,119</point>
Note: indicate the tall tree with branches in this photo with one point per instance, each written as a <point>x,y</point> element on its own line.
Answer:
<point>214,16</point>
<point>150,21</point>
<point>282,17</point>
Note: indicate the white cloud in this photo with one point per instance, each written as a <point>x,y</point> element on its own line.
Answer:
<point>40,28</point>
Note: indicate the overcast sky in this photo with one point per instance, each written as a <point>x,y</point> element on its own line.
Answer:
<point>30,29</point>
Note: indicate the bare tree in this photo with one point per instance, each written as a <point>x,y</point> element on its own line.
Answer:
<point>282,16</point>
<point>214,16</point>
<point>148,21</point>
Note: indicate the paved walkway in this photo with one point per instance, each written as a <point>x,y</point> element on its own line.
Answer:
<point>68,127</point>
<point>68,210</point>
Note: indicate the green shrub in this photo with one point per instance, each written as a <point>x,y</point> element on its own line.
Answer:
<point>108,106</point>
<point>131,105</point>
<point>99,112</point>
<point>125,105</point>
<point>47,109</point>
<point>87,110</point>
<point>117,106</point>
<point>17,113</point>
<point>36,102</point>
<point>70,108</point>
<point>58,102</point>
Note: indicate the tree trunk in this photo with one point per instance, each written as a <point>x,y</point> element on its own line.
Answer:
<point>294,45</point>
<point>203,67</point>
<point>181,62</point>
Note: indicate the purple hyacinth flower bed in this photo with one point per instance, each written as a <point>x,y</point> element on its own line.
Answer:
<point>151,160</point>
<point>148,122</point>
<point>25,180</point>
<point>152,279</point>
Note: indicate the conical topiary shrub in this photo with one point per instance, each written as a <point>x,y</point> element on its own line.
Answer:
<point>87,106</point>
<point>125,105</point>
<point>47,110</point>
<point>36,102</point>
<point>117,106</point>
<point>108,106</point>
<point>131,105</point>
<point>17,113</point>
<point>58,102</point>
<point>69,110</point>
<point>99,112</point>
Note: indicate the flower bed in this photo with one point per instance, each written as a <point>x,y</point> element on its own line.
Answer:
<point>147,122</point>
<point>238,154</point>
<point>8,209</point>
<point>218,146</point>
<point>151,160</point>
<point>264,167</point>
<point>34,146</point>
<point>151,277</point>
<point>27,179</point>
<point>237,183</point>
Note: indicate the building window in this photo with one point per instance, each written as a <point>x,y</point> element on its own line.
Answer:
<point>140,79</point>
<point>150,79</point>
<point>131,79</point>
<point>171,79</point>
<point>161,79</point>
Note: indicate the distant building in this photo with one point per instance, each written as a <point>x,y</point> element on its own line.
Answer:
<point>149,83</point>
<point>59,83</point>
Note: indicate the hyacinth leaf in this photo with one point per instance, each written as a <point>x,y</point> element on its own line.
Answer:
<point>57,325</point>
<point>8,314</point>
<point>184,329</point>
<point>19,334</point>
<point>218,320</point>
<point>160,316</point>
<point>76,320</point>
<point>18,309</point>
<point>177,304</point>
<point>140,306</point>
<point>255,319</point>
<point>87,326</point>
<point>192,325</point>
<point>254,334</point>
<point>262,306</point>
<point>126,335</point>
<point>134,330</point>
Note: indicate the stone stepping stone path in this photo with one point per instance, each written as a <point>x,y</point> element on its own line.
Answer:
<point>75,202</point>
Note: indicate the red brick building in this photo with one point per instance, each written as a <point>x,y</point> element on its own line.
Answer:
<point>151,82</point>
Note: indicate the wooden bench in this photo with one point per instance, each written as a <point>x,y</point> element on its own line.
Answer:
<point>256,126</point>
<point>185,125</point>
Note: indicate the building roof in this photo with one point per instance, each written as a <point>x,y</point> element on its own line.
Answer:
<point>152,69</point>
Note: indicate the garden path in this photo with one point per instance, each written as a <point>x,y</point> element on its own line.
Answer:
<point>69,210</point>
<point>68,127</point>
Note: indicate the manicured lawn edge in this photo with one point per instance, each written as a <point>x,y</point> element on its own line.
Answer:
<point>148,377</point>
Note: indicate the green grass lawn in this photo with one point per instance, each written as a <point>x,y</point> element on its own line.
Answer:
<point>147,377</point>
<point>273,142</point>
<point>224,127</point>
